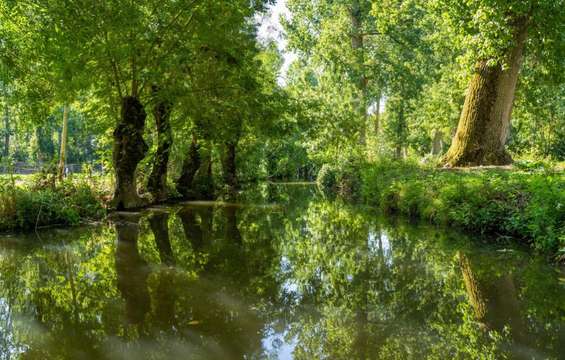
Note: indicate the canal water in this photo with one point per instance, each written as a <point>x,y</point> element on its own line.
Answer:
<point>281,273</point>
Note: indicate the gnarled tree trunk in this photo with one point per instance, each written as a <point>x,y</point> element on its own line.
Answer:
<point>157,184</point>
<point>189,168</point>
<point>485,120</point>
<point>129,150</point>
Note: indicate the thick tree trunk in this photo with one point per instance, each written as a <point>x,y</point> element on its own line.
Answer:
<point>129,150</point>
<point>229,165</point>
<point>157,184</point>
<point>485,120</point>
<point>63,150</point>
<point>189,168</point>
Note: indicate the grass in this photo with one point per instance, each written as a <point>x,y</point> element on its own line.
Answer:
<point>526,203</point>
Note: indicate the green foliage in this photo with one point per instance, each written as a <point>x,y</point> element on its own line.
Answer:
<point>28,207</point>
<point>528,206</point>
<point>342,177</point>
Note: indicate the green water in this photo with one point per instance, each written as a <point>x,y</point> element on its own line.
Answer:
<point>282,274</point>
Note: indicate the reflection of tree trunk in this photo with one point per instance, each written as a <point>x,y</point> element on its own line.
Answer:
<point>157,184</point>
<point>232,232</point>
<point>166,296</point>
<point>129,150</point>
<point>159,223</point>
<point>192,230</point>
<point>132,272</point>
<point>494,301</point>
<point>206,223</point>
<point>474,292</point>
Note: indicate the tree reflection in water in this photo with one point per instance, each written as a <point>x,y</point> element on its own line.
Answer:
<point>308,278</point>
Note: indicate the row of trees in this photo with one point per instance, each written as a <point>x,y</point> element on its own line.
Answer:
<point>194,68</point>
<point>411,75</point>
<point>387,78</point>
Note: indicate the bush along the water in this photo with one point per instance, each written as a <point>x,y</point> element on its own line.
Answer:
<point>343,178</point>
<point>44,203</point>
<point>526,205</point>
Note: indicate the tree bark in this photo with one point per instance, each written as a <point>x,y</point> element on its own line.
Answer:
<point>63,150</point>
<point>189,168</point>
<point>157,184</point>
<point>229,165</point>
<point>485,120</point>
<point>129,150</point>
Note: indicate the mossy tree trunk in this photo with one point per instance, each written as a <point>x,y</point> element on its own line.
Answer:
<point>129,150</point>
<point>157,184</point>
<point>185,182</point>
<point>485,120</point>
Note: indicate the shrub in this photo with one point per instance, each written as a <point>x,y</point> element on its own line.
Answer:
<point>26,208</point>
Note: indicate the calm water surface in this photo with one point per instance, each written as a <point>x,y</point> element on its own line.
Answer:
<point>282,274</point>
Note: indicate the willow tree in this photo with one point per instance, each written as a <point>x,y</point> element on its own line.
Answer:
<point>498,34</point>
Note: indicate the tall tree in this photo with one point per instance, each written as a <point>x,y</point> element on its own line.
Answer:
<point>497,34</point>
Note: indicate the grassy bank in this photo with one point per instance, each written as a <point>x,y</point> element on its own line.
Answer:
<point>527,204</point>
<point>38,201</point>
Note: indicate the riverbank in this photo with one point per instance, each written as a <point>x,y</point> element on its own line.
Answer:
<point>520,203</point>
<point>32,202</point>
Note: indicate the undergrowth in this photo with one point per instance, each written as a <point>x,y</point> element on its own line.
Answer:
<point>43,202</point>
<point>524,204</point>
